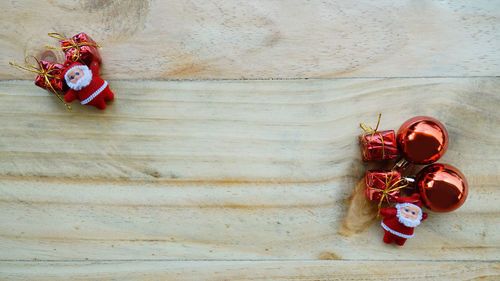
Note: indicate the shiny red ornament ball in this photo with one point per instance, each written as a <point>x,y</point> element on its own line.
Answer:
<point>422,140</point>
<point>442,187</point>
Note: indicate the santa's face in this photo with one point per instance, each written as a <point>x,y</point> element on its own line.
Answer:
<point>75,74</point>
<point>409,214</point>
<point>78,77</point>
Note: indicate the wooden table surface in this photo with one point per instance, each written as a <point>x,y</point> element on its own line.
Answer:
<point>230,151</point>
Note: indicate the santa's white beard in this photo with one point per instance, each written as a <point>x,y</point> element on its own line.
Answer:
<point>407,221</point>
<point>84,81</point>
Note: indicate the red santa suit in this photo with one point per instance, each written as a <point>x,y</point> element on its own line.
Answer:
<point>94,91</point>
<point>398,228</point>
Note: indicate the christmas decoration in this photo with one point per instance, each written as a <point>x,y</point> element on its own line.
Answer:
<point>383,185</point>
<point>86,85</point>
<point>79,75</point>
<point>79,48</point>
<point>400,221</point>
<point>377,145</point>
<point>442,187</point>
<point>422,140</point>
<point>49,75</point>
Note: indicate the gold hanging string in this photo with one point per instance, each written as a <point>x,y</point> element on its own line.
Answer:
<point>388,189</point>
<point>369,130</point>
<point>57,35</point>
<point>73,44</point>
<point>40,71</point>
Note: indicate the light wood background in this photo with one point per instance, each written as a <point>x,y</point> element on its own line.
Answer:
<point>220,159</point>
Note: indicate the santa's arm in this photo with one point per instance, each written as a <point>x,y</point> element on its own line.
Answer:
<point>94,67</point>
<point>388,212</point>
<point>70,95</point>
<point>424,216</point>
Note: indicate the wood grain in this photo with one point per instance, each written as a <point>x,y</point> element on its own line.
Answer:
<point>251,270</point>
<point>232,170</point>
<point>205,177</point>
<point>263,39</point>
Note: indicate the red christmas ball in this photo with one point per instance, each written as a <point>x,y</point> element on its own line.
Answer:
<point>422,140</point>
<point>442,187</point>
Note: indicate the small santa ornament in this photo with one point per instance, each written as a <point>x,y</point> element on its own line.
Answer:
<point>399,222</point>
<point>86,85</point>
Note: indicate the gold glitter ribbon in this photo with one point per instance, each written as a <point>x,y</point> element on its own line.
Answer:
<point>73,44</point>
<point>40,71</point>
<point>369,130</point>
<point>388,189</point>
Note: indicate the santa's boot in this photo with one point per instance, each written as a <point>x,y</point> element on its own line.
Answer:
<point>98,102</point>
<point>400,241</point>
<point>388,237</point>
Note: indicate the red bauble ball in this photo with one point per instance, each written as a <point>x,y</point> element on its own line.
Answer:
<point>422,140</point>
<point>442,187</point>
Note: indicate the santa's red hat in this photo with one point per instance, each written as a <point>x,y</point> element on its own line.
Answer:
<point>414,199</point>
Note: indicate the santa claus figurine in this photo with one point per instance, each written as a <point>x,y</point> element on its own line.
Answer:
<point>400,222</point>
<point>86,85</point>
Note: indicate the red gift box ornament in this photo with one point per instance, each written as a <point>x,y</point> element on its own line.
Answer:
<point>78,48</point>
<point>49,75</point>
<point>377,145</point>
<point>383,185</point>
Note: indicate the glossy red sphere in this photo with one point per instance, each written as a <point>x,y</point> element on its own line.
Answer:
<point>422,140</point>
<point>442,187</point>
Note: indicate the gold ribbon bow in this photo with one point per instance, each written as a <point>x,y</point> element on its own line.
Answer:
<point>369,130</point>
<point>388,189</point>
<point>73,44</point>
<point>40,71</point>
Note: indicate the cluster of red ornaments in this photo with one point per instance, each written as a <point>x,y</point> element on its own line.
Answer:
<point>440,187</point>
<point>78,77</point>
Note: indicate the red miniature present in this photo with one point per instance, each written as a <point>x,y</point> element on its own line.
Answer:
<point>78,48</point>
<point>51,78</point>
<point>49,75</point>
<point>384,185</point>
<point>378,145</point>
